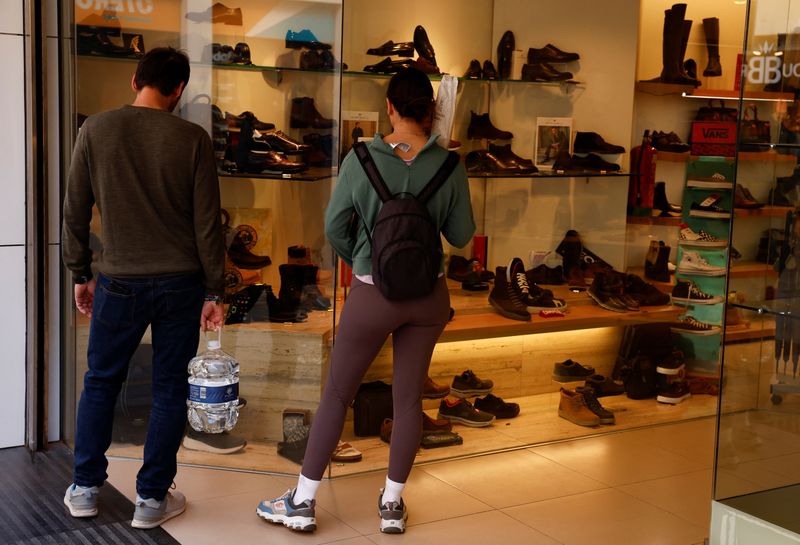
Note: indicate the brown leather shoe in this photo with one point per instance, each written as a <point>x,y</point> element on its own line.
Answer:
<point>386,430</point>
<point>431,390</point>
<point>435,425</point>
<point>272,161</point>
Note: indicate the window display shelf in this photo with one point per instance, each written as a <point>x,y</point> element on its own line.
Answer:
<point>754,331</point>
<point>654,220</point>
<point>313,174</point>
<point>732,94</point>
<point>662,89</point>
<point>765,156</point>
<point>476,319</point>
<point>435,77</point>
<point>751,269</point>
<point>765,212</point>
<point>557,174</point>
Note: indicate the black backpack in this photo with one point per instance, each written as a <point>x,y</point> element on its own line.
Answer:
<point>406,248</point>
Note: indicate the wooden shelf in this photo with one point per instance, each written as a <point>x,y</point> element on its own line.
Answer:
<point>753,331</point>
<point>751,269</point>
<point>651,220</point>
<point>476,319</point>
<point>663,89</point>
<point>734,94</point>
<point>673,157</point>
<point>765,212</point>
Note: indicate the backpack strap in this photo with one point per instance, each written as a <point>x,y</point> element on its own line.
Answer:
<point>374,176</point>
<point>440,177</point>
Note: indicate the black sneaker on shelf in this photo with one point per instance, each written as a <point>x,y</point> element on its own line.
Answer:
<point>645,293</point>
<point>674,393</point>
<point>604,386</point>
<point>467,384</point>
<point>605,416</point>
<point>672,364</point>
<point>692,326</point>
<point>506,300</point>
<point>533,297</point>
<point>709,208</point>
<point>685,291</point>
<point>494,405</point>
<point>571,371</point>
<point>462,412</point>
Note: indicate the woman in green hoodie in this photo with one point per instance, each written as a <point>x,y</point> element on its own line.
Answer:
<point>407,159</point>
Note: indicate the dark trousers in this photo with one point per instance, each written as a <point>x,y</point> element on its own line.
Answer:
<point>367,320</point>
<point>121,312</point>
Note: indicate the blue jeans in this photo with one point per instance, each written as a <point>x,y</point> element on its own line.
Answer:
<point>121,312</point>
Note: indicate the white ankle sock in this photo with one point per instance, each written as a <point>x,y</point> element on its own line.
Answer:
<point>306,489</point>
<point>392,492</point>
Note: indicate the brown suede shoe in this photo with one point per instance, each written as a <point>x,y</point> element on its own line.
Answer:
<point>431,390</point>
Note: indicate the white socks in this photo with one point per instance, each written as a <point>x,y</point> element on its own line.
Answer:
<point>306,490</point>
<point>392,492</point>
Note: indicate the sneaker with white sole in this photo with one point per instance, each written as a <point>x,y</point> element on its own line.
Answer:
<point>674,393</point>
<point>694,263</point>
<point>692,326</point>
<point>283,510</point>
<point>393,515</point>
<point>150,512</point>
<point>685,291</point>
<point>687,237</point>
<point>715,181</point>
<point>81,501</point>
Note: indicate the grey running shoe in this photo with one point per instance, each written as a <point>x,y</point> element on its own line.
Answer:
<point>393,516</point>
<point>463,412</point>
<point>151,513</point>
<point>282,510</point>
<point>81,501</point>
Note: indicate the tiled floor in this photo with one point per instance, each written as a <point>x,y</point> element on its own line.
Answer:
<point>641,487</point>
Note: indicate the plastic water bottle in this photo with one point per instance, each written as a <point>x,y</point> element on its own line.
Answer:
<point>213,404</point>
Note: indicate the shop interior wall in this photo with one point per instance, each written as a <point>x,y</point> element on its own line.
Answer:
<point>12,225</point>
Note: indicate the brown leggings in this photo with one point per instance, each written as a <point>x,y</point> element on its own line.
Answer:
<point>367,320</point>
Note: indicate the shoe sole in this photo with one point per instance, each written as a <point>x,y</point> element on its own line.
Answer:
<point>438,395</point>
<point>605,305</point>
<point>673,400</point>
<point>507,314</point>
<point>703,214</point>
<point>466,422</point>
<point>717,244</point>
<point>694,332</point>
<point>193,444</point>
<point>588,423</point>
<point>464,394</point>
<point>537,309</point>
<point>299,524</point>
<point>687,300</point>
<point>569,378</point>
<point>394,526</point>
<point>142,525</point>
<point>79,513</point>
<point>670,370</point>
<point>700,272</point>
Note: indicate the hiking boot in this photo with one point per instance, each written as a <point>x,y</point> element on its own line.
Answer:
<point>393,515</point>
<point>674,393</point>
<point>694,263</point>
<point>467,385</point>
<point>216,443</point>
<point>672,364</point>
<point>589,396</point>
<point>462,412</point>
<point>505,299</point>
<point>604,386</point>
<point>432,390</point>
<point>572,407</point>
<point>570,371</point>
<point>283,510</point>
<point>687,237</point>
<point>494,405</point>
<point>685,291</point>
<point>150,513</point>
<point>691,326</point>
<point>81,500</point>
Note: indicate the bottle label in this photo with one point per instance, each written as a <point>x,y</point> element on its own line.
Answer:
<point>213,394</point>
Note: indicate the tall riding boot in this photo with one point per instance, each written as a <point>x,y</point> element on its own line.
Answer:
<point>667,54</point>
<point>711,28</point>
<point>686,29</point>
<point>777,86</point>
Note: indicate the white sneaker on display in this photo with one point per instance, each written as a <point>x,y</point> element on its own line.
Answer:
<point>694,263</point>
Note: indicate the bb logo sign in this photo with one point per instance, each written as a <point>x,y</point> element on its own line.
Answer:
<point>767,68</point>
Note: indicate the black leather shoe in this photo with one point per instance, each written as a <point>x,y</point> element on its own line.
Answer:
<point>483,162</point>
<point>425,66</point>
<point>91,40</point>
<point>591,142</point>
<point>550,53</point>
<point>319,59</point>
<point>304,114</point>
<point>272,161</point>
<point>480,126</point>
<point>562,161</point>
<point>241,54</point>
<point>592,162</point>
<point>279,141</point>
<point>235,121</point>
<point>543,72</point>
<point>423,45</point>
<point>474,70</point>
<point>387,66</point>
<point>507,156</point>
<point>489,71</point>
<point>504,51</point>
<point>401,49</point>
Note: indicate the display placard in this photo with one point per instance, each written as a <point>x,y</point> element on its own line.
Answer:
<point>553,135</point>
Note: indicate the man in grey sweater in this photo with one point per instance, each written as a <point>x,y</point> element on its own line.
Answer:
<point>153,179</point>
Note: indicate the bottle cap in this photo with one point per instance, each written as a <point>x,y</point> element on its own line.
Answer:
<point>213,345</point>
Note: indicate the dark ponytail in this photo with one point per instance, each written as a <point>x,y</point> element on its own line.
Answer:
<point>411,93</point>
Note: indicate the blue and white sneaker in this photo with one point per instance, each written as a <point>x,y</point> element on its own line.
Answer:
<point>393,515</point>
<point>81,501</point>
<point>282,510</point>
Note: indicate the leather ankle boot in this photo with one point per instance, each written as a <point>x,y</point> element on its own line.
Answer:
<point>304,114</point>
<point>505,49</point>
<point>711,28</point>
<point>661,203</point>
<point>656,262</point>
<point>480,126</point>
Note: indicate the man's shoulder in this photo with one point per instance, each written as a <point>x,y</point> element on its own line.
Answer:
<point>119,115</point>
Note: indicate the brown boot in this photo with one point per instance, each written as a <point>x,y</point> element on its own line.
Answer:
<point>573,408</point>
<point>431,390</point>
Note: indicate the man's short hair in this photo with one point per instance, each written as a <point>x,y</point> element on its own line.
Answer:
<point>163,68</point>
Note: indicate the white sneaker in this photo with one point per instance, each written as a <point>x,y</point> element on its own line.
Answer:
<point>693,263</point>
<point>150,512</point>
